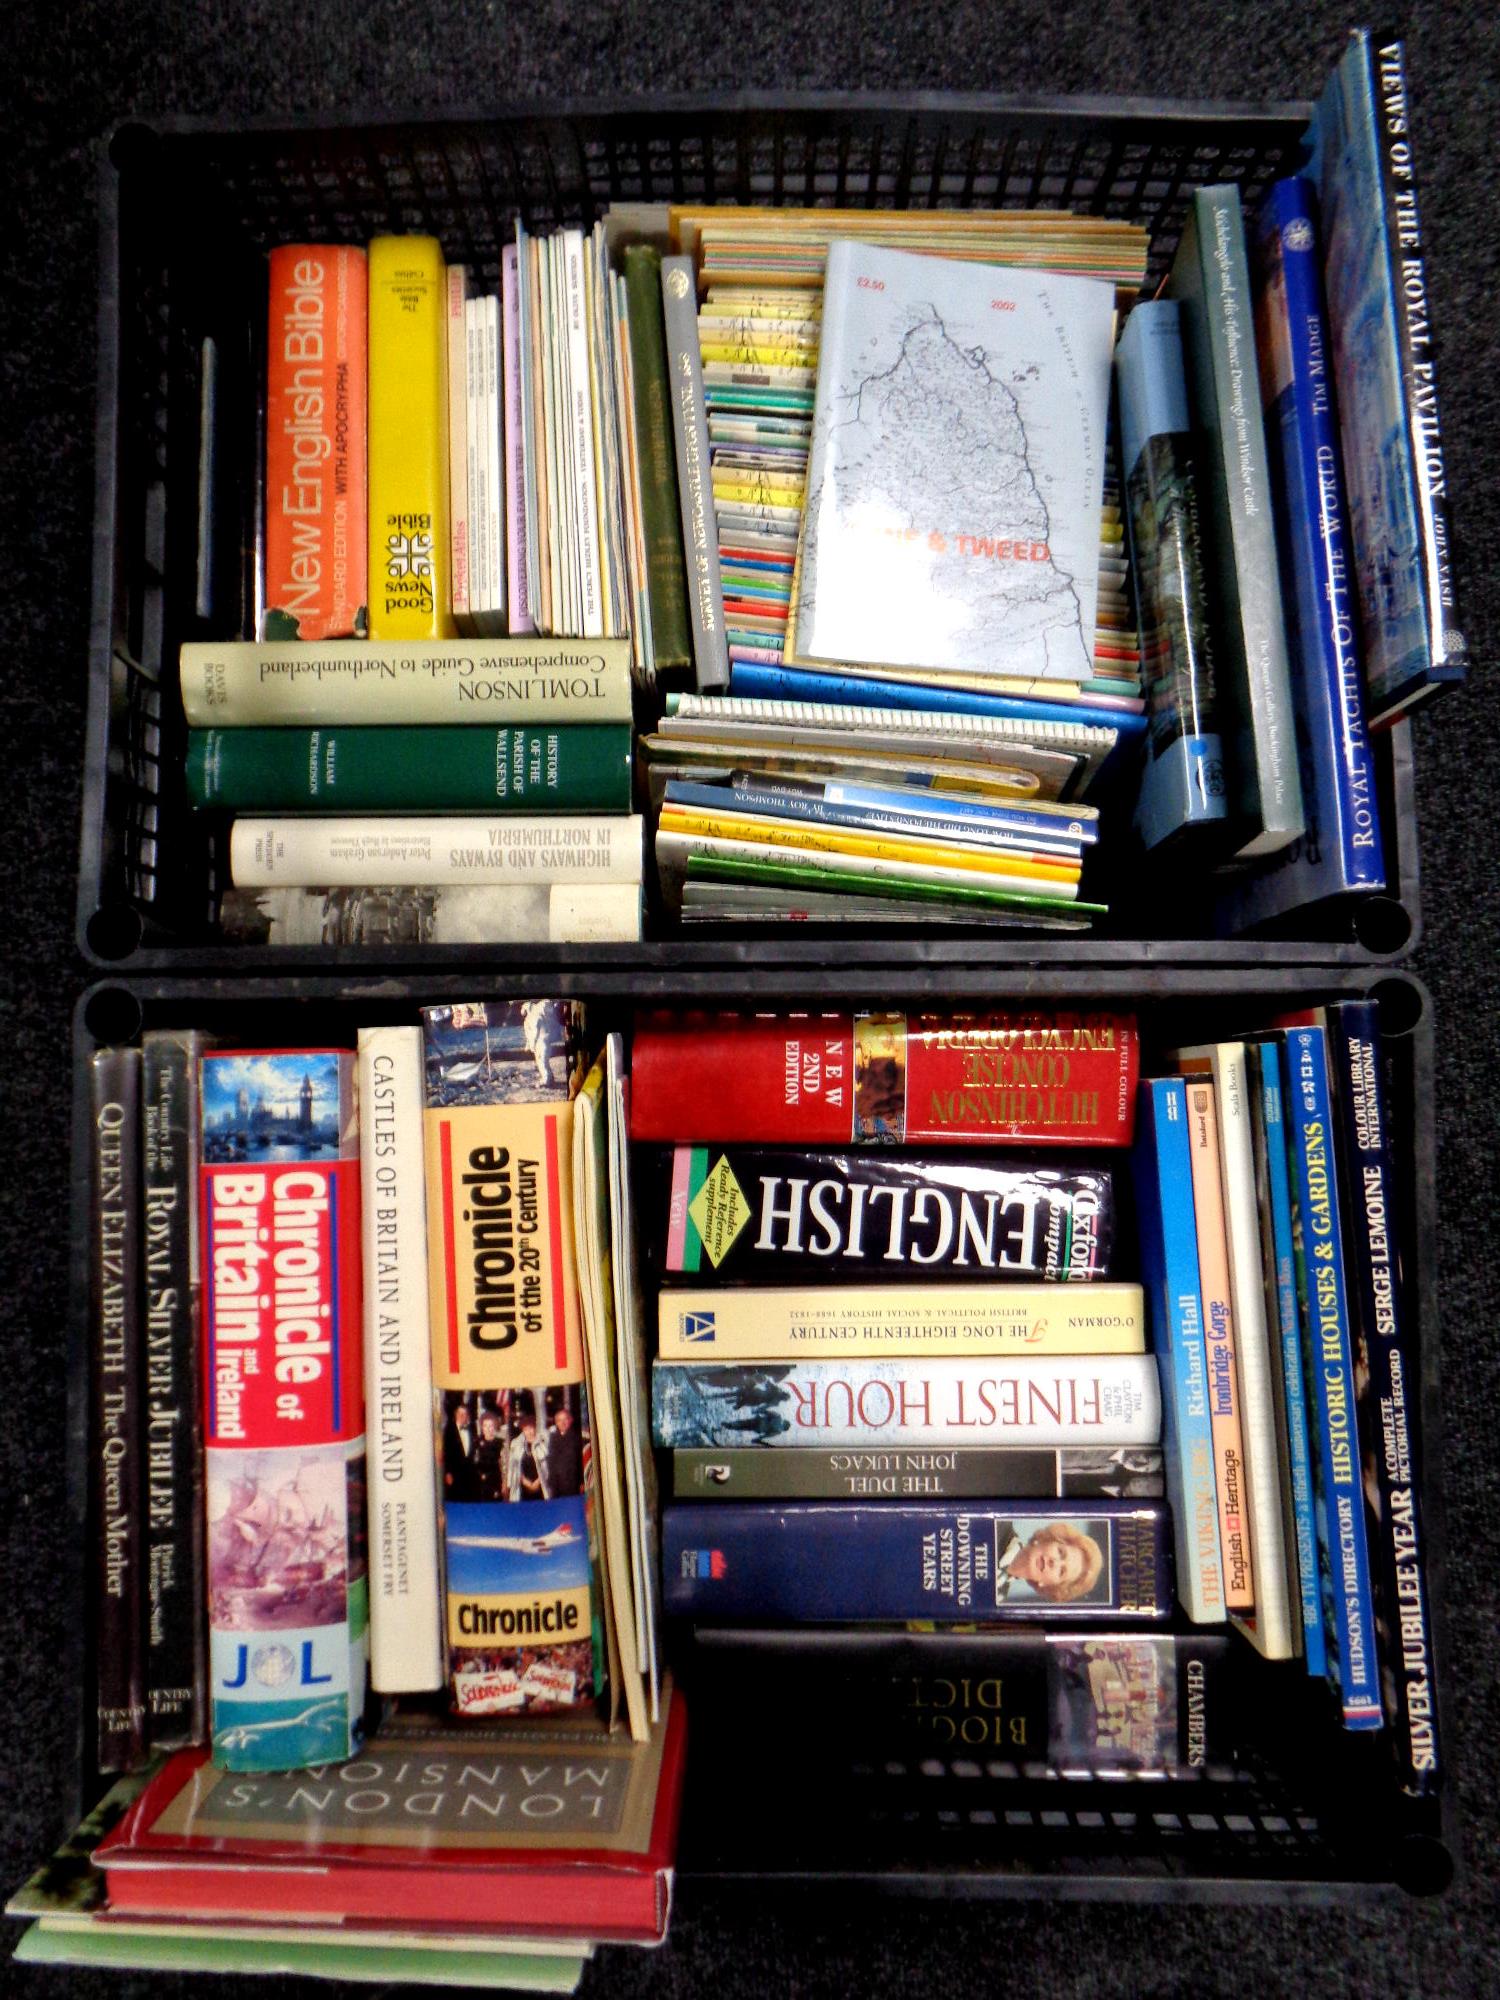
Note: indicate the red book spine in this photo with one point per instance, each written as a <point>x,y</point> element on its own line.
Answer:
<point>996,1078</point>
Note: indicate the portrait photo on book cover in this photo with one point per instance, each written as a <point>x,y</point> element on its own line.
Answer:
<point>514,1444</point>
<point>285,1536</point>
<point>880,1076</point>
<point>1064,1561</point>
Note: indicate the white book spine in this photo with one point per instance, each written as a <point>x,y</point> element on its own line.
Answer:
<point>494,522</point>
<point>406,1655</point>
<point>313,852</point>
<point>519,556</point>
<point>460,525</point>
<point>473,432</point>
<point>581,421</point>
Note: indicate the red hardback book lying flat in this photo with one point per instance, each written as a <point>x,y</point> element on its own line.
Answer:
<point>550,1828</point>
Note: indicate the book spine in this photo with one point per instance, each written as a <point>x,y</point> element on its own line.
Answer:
<point>578,420</point>
<point>518,555</point>
<point>700,533</point>
<point>410,582</point>
<point>1056,1078</point>
<point>666,584</point>
<point>1287,1378</point>
<point>562,913</point>
<point>1329,1363</point>
<point>176,1617</point>
<point>911,1401</point>
<point>935,1559</point>
<point>374,683</point>
<point>938,806</point>
<point>1182,785</point>
<point>1118,1704</point>
<point>459,512</point>
<point>288,1596</point>
<point>405,1615</point>
<point>835,849</point>
<point>797,684</point>
<point>1224,1397</point>
<point>507,1355</point>
<point>494,454</point>
<point>317,355</point>
<point>308,852</point>
<point>1017,1472</point>
<point>476,462</point>
<point>119,1638</point>
<point>1169,1267</point>
<point>577,766</point>
<point>1388,1369</point>
<point>803,810</point>
<point>774,1323</point>
<point>1217,306</point>
<point>1446,644</point>
<point>745,1214</point>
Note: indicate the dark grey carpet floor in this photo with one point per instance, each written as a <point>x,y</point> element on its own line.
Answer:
<point>75,69</point>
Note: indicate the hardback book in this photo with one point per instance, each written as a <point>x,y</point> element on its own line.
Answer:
<point>1211,283</point>
<point>490,619</point>
<point>410,584</point>
<point>459,394</point>
<point>956,468</point>
<point>1388,1371</point>
<point>1341,851</point>
<point>1022,1078</point>
<point>780,1322</point>
<point>315,528</point>
<point>434,913</point>
<point>1168,1228</point>
<point>1328,1352</point>
<point>425,851</point>
<point>1363,164</point>
<point>117,1375</point>
<point>399,682</point>
<point>700,540</point>
<point>576,766</point>
<point>554,1827</point>
<point>739,1472</point>
<point>884,1401</point>
<point>1119,1703</point>
<point>288,1594</point>
<point>769,1215</point>
<point>1182,788</point>
<point>518,550</point>
<point>519,1612</point>
<point>1020,1560</point>
<point>174,1575</point>
<point>406,1653</point>
<point>661,520</point>
<point>1272,1556</point>
<point>1220,1339</point>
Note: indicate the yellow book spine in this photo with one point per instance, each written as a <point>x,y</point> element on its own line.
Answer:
<point>410,555</point>
<point>877,847</point>
<point>788,1322</point>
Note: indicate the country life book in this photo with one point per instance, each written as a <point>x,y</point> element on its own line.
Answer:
<point>1020,1560</point>
<point>956,468</point>
<point>288,1589</point>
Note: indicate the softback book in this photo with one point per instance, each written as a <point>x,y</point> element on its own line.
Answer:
<point>700,537</point>
<point>507,1355</point>
<point>315,528</point>
<point>956,468</point>
<point>1025,1077</point>
<point>740,1472</point>
<point>288,1609</point>
<point>1023,1560</point>
<point>742,1214</point>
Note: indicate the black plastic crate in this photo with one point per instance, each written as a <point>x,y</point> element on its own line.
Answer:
<point>189,207</point>
<point>1310,1811</point>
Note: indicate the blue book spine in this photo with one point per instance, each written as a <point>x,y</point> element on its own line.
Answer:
<point>1183,789</point>
<point>1021,1560</point>
<point>1341,851</point>
<point>800,684</point>
<point>778,803</point>
<point>1299,1440</point>
<point>1348,1601</point>
<point>1168,1228</point>
<point>1390,1373</point>
<point>1064,828</point>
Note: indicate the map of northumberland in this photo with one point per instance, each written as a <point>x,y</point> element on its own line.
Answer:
<point>957,466</point>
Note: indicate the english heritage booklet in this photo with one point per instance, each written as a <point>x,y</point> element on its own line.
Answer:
<point>957,467</point>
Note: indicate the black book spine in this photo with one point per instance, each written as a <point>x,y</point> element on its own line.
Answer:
<point>115,1297</point>
<point>1388,1374</point>
<point>176,1618</point>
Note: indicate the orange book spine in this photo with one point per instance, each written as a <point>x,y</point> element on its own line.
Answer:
<point>316,376</point>
<point>1218,1330</point>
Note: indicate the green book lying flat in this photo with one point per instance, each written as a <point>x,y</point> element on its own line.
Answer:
<point>571,767</point>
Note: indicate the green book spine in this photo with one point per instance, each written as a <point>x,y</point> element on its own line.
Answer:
<point>581,767</point>
<point>666,576</point>
<point>807,875</point>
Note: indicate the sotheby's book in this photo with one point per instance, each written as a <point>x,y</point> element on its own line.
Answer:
<point>831,1561</point>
